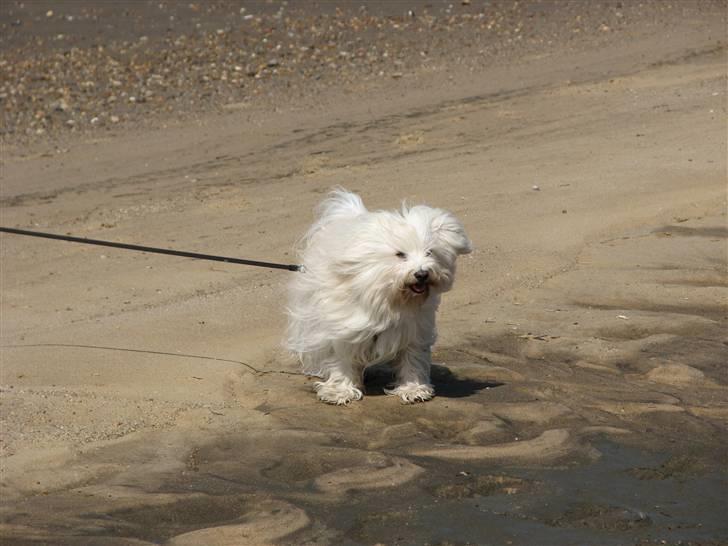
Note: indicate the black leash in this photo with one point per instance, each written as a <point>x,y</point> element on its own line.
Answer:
<point>270,265</point>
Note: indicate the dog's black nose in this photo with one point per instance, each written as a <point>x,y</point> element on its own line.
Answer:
<point>421,275</point>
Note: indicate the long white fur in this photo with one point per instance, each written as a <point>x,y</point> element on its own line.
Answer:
<point>352,306</point>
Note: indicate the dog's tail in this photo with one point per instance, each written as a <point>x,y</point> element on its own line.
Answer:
<point>340,204</point>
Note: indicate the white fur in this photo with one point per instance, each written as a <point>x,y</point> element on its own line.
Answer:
<point>355,302</point>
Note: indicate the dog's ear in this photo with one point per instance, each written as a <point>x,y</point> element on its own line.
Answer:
<point>448,230</point>
<point>440,227</point>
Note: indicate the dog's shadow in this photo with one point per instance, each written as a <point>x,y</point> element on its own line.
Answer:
<point>446,383</point>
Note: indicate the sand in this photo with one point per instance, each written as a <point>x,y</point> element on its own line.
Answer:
<point>581,365</point>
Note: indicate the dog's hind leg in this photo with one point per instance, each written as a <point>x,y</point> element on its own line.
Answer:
<point>413,376</point>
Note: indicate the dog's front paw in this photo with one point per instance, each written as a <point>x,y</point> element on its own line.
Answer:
<point>337,393</point>
<point>412,392</point>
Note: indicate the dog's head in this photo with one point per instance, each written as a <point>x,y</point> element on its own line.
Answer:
<point>402,257</point>
<point>435,238</point>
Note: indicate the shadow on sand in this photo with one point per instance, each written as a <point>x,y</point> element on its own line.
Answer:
<point>446,383</point>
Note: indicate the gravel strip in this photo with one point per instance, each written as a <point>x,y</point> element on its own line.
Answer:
<point>88,66</point>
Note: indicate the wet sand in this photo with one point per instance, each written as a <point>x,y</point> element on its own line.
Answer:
<point>581,378</point>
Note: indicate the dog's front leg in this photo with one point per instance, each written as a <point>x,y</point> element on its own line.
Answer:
<point>342,382</point>
<point>413,376</point>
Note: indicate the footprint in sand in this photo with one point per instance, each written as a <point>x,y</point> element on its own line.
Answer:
<point>380,472</point>
<point>675,374</point>
<point>530,412</point>
<point>265,525</point>
<point>549,446</point>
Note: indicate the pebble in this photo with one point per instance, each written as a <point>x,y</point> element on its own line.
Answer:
<point>60,105</point>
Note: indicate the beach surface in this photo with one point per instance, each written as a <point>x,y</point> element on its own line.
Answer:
<point>581,378</point>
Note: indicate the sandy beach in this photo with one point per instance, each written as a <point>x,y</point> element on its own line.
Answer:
<point>581,378</point>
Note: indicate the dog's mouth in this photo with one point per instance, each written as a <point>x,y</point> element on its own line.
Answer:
<point>420,287</point>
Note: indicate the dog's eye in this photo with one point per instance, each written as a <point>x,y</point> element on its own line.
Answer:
<point>428,253</point>
<point>401,255</point>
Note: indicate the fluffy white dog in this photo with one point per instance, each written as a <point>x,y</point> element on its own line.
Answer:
<point>368,293</point>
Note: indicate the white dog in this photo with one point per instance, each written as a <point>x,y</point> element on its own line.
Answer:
<point>368,293</point>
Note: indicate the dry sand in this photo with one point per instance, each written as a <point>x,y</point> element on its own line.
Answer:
<point>581,379</point>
